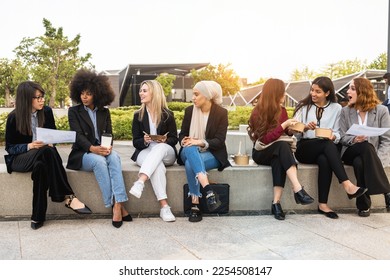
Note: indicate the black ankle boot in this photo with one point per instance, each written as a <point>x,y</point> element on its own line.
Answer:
<point>302,197</point>
<point>212,198</point>
<point>277,211</point>
<point>195,214</point>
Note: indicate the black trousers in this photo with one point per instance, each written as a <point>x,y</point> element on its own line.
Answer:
<point>48,173</point>
<point>280,157</point>
<point>368,171</point>
<point>326,155</point>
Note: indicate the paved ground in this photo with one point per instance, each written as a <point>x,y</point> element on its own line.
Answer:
<point>234,240</point>
<point>299,237</point>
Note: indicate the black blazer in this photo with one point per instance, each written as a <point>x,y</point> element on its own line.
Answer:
<point>80,122</point>
<point>216,129</point>
<point>167,124</point>
<point>15,142</point>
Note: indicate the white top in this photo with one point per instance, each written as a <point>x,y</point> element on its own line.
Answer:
<point>152,128</point>
<point>330,119</point>
<point>360,119</point>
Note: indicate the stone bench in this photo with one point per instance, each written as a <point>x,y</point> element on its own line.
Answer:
<point>250,191</point>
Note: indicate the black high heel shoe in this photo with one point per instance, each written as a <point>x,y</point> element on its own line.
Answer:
<point>387,201</point>
<point>358,193</point>
<point>277,211</point>
<point>36,225</point>
<point>331,214</point>
<point>127,218</point>
<point>302,197</point>
<point>117,224</point>
<point>84,210</point>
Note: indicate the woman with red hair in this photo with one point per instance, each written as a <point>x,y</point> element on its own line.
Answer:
<point>268,122</point>
<point>367,154</point>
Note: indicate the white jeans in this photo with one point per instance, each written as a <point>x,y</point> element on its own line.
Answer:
<point>153,161</point>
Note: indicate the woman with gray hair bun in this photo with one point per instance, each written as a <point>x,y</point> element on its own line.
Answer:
<point>202,139</point>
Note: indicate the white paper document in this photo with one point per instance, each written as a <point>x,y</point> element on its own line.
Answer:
<point>357,129</point>
<point>54,136</point>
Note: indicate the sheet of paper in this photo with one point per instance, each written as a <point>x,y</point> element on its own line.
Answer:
<point>357,129</point>
<point>54,136</point>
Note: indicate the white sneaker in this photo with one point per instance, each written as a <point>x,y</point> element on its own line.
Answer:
<point>137,189</point>
<point>166,214</point>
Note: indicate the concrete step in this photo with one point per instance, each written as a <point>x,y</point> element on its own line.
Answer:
<point>250,191</point>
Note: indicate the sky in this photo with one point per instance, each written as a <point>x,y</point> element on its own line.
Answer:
<point>258,38</point>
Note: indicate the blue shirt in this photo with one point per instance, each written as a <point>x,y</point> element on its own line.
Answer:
<point>92,115</point>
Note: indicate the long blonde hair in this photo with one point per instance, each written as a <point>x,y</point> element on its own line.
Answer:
<point>158,103</point>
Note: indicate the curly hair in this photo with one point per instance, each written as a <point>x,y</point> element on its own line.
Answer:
<point>266,114</point>
<point>97,84</point>
<point>367,98</point>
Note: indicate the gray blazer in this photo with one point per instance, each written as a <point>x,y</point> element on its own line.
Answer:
<point>377,117</point>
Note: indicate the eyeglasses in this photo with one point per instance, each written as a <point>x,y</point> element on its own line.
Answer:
<point>39,98</point>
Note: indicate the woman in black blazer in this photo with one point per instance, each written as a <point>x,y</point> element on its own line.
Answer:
<point>202,138</point>
<point>90,119</point>
<point>152,155</point>
<point>26,153</point>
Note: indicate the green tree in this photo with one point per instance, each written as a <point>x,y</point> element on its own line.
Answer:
<point>260,81</point>
<point>222,74</point>
<point>380,63</point>
<point>11,74</point>
<point>52,60</point>
<point>343,68</point>
<point>166,81</point>
<point>303,74</point>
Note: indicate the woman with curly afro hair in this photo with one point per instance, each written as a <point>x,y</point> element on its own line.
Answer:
<point>91,120</point>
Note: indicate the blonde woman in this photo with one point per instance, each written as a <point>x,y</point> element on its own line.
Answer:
<point>154,118</point>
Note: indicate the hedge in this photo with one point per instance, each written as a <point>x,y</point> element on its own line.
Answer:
<point>122,119</point>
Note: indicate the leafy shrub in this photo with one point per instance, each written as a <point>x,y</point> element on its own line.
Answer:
<point>178,106</point>
<point>122,119</point>
<point>62,123</point>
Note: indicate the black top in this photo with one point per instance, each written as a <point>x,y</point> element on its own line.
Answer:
<point>15,142</point>
<point>167,124</point>
<point>81,123</point>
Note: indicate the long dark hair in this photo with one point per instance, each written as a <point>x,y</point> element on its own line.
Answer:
<point>23,106</point>
<point>266,114</point>
<point>97,84</point>
<point>323,83</point>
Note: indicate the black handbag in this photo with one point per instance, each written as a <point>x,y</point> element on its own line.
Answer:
<point>222,190</point>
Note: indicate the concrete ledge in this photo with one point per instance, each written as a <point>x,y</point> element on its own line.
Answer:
<point>251,191</point>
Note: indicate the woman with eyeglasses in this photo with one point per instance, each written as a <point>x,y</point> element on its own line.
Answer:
<point>91,120</point>
<point>320,110</point>
<point>27,154</point>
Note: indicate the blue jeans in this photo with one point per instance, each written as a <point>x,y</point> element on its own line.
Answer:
<point>108,173</point>
<point>196,163</point>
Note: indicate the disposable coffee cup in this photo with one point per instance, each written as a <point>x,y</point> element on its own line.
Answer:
<point>106,140</point>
